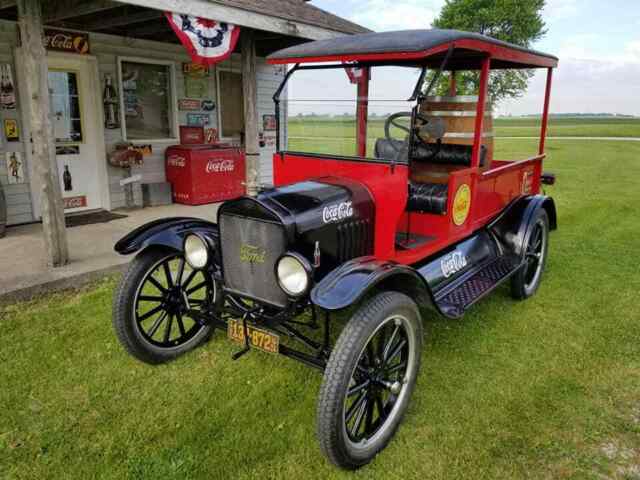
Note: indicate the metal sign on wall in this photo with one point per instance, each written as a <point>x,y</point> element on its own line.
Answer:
<point>66,41</point>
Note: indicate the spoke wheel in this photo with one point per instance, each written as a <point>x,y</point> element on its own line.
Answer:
<point>153,303</point>
<point>163,301</point>
<point>377,382</point>
<point>526,281</point>
<point>369,380</point>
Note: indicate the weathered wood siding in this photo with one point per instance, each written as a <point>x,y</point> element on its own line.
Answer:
<point>107,49</point>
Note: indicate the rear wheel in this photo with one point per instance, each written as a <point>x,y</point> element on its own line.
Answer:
<point>525,282</point>
<point>369,379</point>
<point>151,306</point>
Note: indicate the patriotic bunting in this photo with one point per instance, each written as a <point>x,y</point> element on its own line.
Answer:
<point>207,41</point>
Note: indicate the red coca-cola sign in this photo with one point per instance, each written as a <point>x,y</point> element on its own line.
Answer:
<point>75,202</point>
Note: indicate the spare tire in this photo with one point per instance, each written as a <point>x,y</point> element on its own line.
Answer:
<point>3,212</point>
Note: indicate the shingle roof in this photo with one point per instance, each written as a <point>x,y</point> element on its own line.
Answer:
<point>297,10</point>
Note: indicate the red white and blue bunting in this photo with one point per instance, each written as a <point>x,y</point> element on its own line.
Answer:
<point>207,41</point>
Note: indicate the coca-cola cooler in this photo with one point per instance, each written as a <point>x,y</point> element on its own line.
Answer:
<point>205,173</point>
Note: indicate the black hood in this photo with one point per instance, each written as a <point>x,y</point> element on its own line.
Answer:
<point>335,213</point>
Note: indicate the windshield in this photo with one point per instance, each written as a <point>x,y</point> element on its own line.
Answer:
<point>320,107</point>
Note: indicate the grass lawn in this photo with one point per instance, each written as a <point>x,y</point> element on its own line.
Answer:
<point>341,132</point>
<point>547,388</point>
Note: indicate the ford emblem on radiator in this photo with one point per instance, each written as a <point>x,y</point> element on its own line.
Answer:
<point>453,263</point>
<point>337,212</point>
<point>252,254</point>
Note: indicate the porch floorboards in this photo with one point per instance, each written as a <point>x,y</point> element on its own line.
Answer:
<point>23,270</point>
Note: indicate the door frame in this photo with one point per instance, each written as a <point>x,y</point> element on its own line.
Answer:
<point>94,85</point>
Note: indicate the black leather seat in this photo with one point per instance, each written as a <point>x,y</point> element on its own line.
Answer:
<point>428,198</point>
<point>443,154</point>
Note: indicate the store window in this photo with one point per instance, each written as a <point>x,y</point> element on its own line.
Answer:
<point>231,104</point>
<point>147,100</point>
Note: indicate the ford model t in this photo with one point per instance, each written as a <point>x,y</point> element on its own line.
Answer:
<point>381,232</point>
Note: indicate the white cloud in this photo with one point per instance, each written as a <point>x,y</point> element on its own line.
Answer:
<point>381,15</point>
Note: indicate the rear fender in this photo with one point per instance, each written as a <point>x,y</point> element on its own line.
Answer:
<point>513,226</point>
<point>168,232</point>
<point>349,283</point>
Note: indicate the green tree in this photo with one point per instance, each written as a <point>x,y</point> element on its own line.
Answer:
<point>515,21</point>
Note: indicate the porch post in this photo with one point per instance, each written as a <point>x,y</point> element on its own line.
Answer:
<point>44,156</point>
<point>249,91</point>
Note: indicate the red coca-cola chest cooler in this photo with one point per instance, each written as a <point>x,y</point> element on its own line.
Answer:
<point>202,174</point>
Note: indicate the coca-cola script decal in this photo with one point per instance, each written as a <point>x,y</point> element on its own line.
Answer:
<point>337,212</point>
<point>176,161</point>
<point>66,41</point>
<point>453,263</point>
<point>218,166</point>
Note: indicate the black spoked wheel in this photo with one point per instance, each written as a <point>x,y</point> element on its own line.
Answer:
<point>153,303</point>
<point>369,380</point>
<point>527,280</point>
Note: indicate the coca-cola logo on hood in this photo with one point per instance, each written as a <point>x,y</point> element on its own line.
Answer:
<point>176,161</point>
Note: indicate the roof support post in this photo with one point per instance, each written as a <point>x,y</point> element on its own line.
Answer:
<point>480,109</point>
<point>362,112</point>
<point>249,92</point>
<point>545,112</point>
<point>44,157</point>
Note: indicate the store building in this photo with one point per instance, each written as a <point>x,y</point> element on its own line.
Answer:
<point>152,90</point>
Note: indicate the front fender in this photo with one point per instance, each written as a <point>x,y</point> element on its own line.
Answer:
<point>167,232</point>
<point>348,284</point>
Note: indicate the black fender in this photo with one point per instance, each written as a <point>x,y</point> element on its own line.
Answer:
<point>348,284</point>
<point>167,232</point>
<point>513,226</point>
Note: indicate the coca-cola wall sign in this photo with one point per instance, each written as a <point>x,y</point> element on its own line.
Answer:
<point>66,41</point>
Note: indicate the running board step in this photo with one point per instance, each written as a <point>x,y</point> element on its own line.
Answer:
<point>455,300</point>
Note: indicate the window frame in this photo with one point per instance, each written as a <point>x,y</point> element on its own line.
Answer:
<point>173,102</point>
<point>219,69</point>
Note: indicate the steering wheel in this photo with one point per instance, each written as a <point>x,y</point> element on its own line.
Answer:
<point>433,128</point>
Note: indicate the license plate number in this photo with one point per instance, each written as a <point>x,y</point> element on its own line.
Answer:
<point>258,338</point>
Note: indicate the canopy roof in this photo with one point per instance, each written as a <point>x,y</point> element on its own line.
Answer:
<point>421,47</point>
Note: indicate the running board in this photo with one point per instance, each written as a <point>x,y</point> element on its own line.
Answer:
<point>455,299</point>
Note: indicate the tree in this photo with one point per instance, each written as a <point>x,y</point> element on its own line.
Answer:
<point>515,21</point>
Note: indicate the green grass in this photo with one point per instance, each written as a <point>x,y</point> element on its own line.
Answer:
<point>341,132</point>
<point>546,388</point>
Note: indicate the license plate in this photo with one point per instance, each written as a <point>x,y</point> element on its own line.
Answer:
<point>258,338</point>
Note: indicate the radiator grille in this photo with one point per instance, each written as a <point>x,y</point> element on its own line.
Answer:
<point>354,240</point>
<point>250,249</point>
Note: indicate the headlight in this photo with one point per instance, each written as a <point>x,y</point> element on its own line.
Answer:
<point>196,251</point>
<point>293,272</point>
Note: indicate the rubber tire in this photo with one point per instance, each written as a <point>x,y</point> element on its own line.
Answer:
<point>338,372</point>
<point>519,289</point>
<point>123,319</point>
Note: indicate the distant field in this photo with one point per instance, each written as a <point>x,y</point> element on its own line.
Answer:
<point>340,132</point>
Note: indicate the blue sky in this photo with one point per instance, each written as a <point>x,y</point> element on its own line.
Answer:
<point>598,43</point>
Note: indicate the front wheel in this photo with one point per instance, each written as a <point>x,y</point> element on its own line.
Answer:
<point>151,308</point>
<point>369,379</point>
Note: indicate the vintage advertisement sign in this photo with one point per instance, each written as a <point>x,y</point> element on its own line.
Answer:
<point>66,41</point>
<point>15,168</point>
<point>198,119</point>
<point>11,131</point>
<point>75,202</point>
<point>195,69</point>
<point>188,104</point>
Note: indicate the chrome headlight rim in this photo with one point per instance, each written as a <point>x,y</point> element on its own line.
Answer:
<point>202,264</point>
<point>306,267</point>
